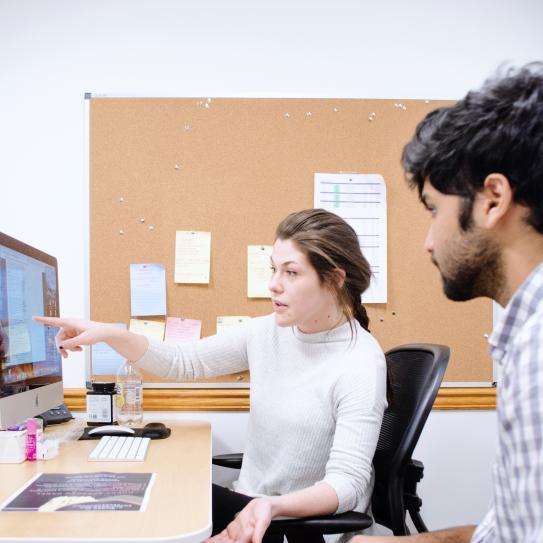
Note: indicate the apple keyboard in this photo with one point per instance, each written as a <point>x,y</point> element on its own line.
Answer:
<point>120,449</point>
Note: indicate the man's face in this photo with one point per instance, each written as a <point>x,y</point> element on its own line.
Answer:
<point>468,261</point>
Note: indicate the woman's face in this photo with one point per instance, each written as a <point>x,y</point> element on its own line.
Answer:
<point>298,297</point>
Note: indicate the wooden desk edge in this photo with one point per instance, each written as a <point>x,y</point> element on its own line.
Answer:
<point>237,399</point>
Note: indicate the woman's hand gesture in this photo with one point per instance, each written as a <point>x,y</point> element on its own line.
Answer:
<point>250,524</point>
<point>74,333</point>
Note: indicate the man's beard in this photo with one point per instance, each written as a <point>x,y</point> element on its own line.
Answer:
<point>472,268</point>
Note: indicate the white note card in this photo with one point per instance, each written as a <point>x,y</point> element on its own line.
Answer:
<point>360,199</point>
<point>147,290</point>
<point>106,361</point>
<point>192,257</point>
<point>258,271</point>
<point>227,321</point>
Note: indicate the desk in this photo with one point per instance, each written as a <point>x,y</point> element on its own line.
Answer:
<point>179,508</point>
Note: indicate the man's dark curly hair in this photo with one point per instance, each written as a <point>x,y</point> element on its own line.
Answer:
<point>497,129</point>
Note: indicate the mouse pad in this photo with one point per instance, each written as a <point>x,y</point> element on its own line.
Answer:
<point>138,432</point>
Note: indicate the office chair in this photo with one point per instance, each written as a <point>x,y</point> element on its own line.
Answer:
<point>415,372</point>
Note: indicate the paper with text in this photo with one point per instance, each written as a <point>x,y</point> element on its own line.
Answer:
<point>147,290</point>
<point>360,199</point>
<point>106,361</point>
<point>258,271</point>
<point>225,322</point>
<point>192,256</point>
<point>151,329</point>
<point>179,329</point>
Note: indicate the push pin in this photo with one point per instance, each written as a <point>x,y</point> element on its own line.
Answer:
<point>151,227</point>
<point>485,336</point>
<point>121,232</point>
<point>381,319</point>
<point>335,110</point>
<point>308,113</point>
<point>239,378</point>
<point>121,199</point>
<point>176,166</point>
<point>287,115</point>
<point>142,220</point>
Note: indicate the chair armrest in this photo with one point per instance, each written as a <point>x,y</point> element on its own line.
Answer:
<point>351,521</point>
<point>228,460</point>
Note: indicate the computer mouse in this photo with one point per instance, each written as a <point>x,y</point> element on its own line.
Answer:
<point>155,430</point>
<point>111,430</point>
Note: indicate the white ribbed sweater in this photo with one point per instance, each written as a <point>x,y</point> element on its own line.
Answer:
<point>317,402</point>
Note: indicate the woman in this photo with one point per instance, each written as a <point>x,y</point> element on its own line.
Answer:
<point>318,381</point>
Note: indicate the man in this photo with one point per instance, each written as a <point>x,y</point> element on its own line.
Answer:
<point>478,167</point>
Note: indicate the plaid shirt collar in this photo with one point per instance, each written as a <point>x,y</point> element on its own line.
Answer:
<point>522,305</point>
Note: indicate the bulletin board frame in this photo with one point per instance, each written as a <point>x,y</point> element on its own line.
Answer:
<point>271,147</point>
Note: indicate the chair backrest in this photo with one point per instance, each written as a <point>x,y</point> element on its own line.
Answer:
<point>415,372</point>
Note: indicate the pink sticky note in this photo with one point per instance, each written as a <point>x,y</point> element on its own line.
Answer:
<point>178,329</point>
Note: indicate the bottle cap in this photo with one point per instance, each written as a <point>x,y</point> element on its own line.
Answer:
<point>32,425</point>
<point>103,386</point>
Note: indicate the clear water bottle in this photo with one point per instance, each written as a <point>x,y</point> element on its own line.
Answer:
<point>129,395</point>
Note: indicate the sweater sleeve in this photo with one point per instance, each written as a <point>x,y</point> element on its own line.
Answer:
<point>360,397</point>
<point>220,354</point>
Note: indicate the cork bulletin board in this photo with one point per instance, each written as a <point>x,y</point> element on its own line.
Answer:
<point>235,168</point>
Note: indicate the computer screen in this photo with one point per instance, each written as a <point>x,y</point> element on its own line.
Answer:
<point>30,365</point>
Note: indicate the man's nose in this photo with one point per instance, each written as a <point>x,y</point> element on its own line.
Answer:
<point>429,242</point>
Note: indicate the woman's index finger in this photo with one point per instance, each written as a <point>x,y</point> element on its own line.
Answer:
<point>51,321</point>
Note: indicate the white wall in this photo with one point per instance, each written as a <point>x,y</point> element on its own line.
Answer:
<point>53,51</point>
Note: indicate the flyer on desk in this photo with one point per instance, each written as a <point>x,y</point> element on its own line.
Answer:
<point>99,491</point>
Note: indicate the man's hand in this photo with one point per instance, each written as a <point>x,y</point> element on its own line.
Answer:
<point>451,535</point>
<point>250,524</point>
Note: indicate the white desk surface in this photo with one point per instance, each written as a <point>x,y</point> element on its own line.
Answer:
<point>179,508</point>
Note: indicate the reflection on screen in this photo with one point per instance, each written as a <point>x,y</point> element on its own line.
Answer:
<point>27,349</point>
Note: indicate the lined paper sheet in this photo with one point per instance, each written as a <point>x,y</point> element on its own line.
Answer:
<point>147,290</point>
<point>258,271</point>
<point>192,256</point>
<point>360,199</point>
<point>179,329</point>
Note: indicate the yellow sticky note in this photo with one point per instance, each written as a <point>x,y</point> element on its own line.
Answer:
<point>192,256</point>
<point>225,322</point>
<point>151,329</point>
<point>258,271</point>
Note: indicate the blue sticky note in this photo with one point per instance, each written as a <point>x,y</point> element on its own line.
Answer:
<point>147,290</point>
<point>106,361</point>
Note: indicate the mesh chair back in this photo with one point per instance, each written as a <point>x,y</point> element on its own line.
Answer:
<point>415,373</point>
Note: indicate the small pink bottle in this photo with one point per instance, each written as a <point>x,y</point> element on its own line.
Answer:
<point>32,427</point>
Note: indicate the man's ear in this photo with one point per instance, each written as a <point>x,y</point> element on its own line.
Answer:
<point>495,199</point>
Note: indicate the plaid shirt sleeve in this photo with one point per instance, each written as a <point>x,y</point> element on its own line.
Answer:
<point>485,531</point>
<point>522,428</point>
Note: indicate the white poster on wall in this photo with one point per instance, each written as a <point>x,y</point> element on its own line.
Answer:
<point>360,199</point>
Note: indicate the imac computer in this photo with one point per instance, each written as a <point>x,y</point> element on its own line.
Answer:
<point>30,366</point>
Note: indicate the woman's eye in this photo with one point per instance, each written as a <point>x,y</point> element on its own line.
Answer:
<point>291,273</point>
